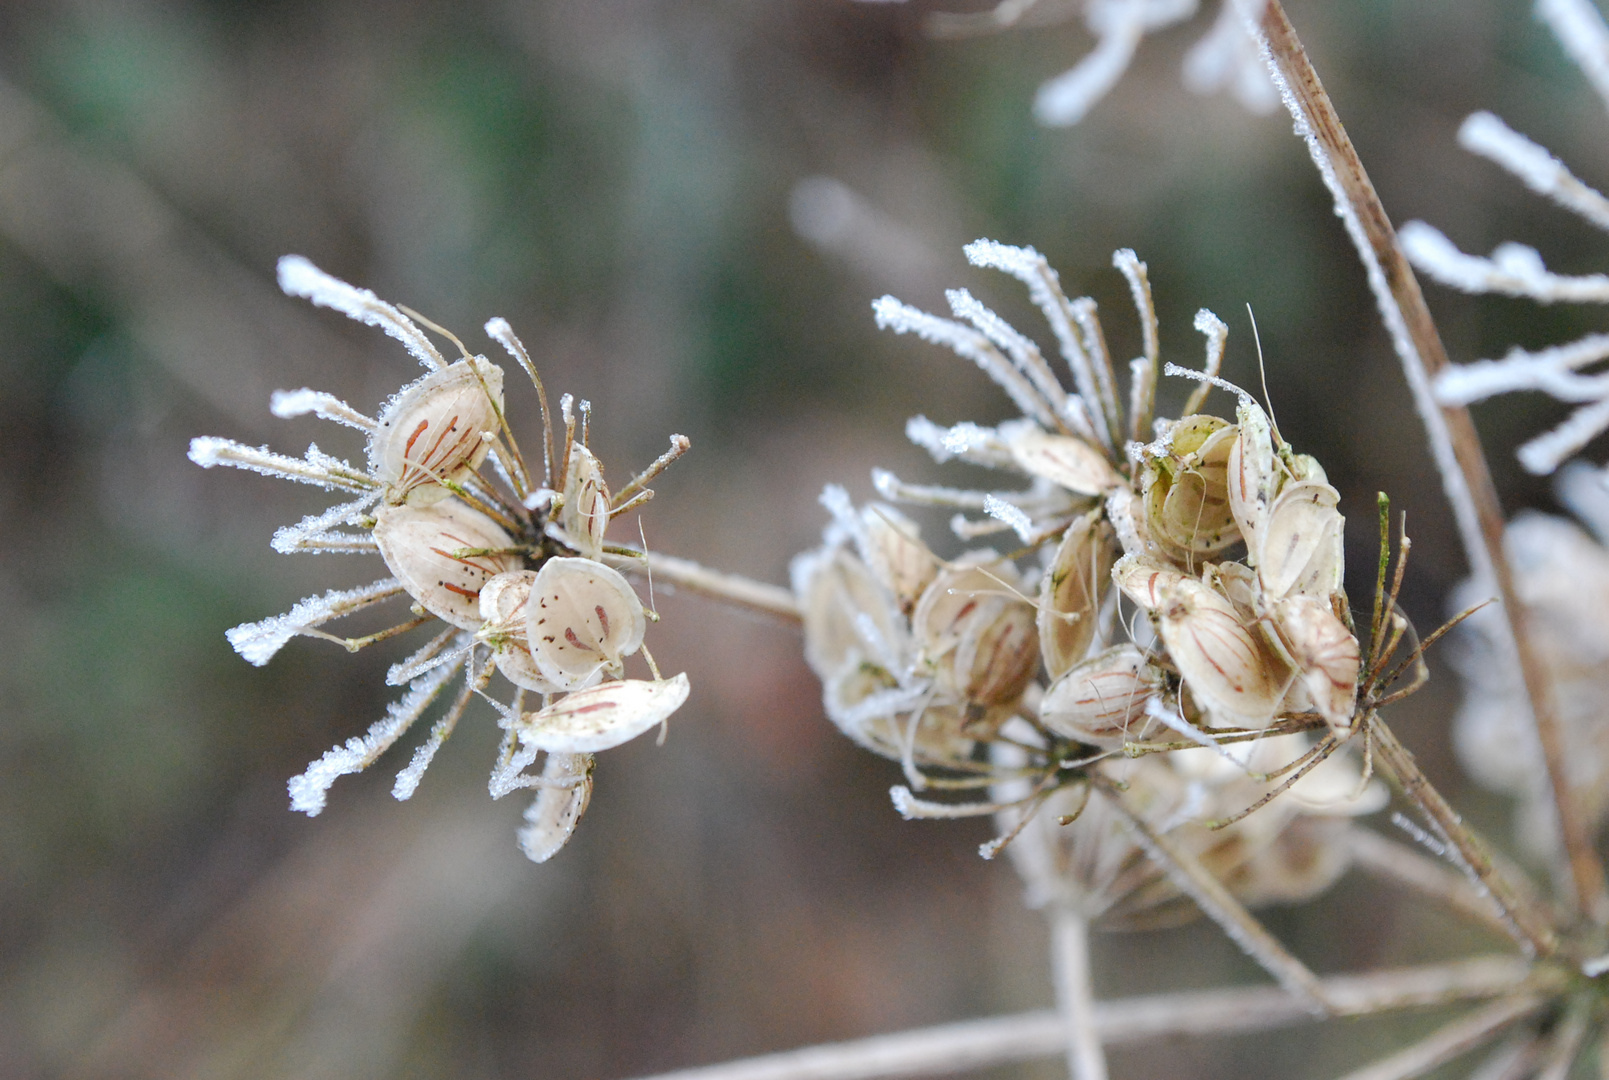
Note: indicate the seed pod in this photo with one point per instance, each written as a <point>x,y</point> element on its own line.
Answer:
<point>1326,656</point>
<point>418,544</point>
<point>1071,591</point>
<point>1237,583</point>
<point>581,622</point>
<point>559,804</point>
<point>585,514</point>
<point>1229,670</point>
<point>1253,477</point>
<point>897,555</point>
<point>1064,461</point>
<point>1145,581</point>
<point>1300,552</point>
<point>1102,701</point>
<point>502,605</point>
<point>431,431</point>
<point>843,603</point>
<point>1186,491</point>
<point>942,735</point>
<point>979,641</point>
<point>604,716</point>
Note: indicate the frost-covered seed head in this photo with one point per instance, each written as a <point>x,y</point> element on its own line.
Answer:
<point>1326,656</point>
<point>421,543</point>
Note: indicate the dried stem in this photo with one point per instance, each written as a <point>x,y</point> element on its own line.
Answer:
<point>1446,1043</point>
<point>732,588</point>
<point>1454,443</point>
<point>1075,997</point>
<point>1374,854</point>
<point>977,1044</point>
<point>1220,905</point>
<point>1530,926</point>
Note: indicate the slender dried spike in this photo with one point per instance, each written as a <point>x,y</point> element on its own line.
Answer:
<point>1217,335</point>
<point>354,644</point>
<point>1430,878</point>
<point>1084,313</point>
<point>407,781</point>
<point>679,445</point>
<point>1399,626</point>
<point>1419,652</point>
<point>586,422</point>
<point>731,588</point>
<point>627,507</point>
<point>1321,754</point>
<point>1144,404</point>
<point>566,403</point>
<point>500,331</point>
<point>1451,1041</point>
<point>482,505</point>
<point>1532,926</point>
<point>1220,905</point>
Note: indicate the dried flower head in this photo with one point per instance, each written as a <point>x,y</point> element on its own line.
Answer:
<point>509,564</point>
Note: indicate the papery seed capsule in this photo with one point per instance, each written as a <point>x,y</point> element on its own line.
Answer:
<point>1325,653</point>
<point>420,545</point>
<point>1145,581</point>
<point>603,716</point>
<point>559,804</point>
<point>1187,492</point>
<point>502,605</point>
<point>1102,701</point>
<point>1300,551</point>
<point>582,620</point>
<point>1065,461</point>
<point>585,514</point>
<point>1127,515</point>
<point>1071,591</point>
<point>1229,670</point>
<point>432,431</point>
<point>1237,583</point>
<point>998,655</point>
<point>901,561</point>
<point>941,736</point>
<point>844,606</point>
<point>1253,477</point>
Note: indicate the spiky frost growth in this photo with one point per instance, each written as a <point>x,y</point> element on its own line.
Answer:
<point>1024,674</point>
<point>1517,270</point>
<point>511,563</point>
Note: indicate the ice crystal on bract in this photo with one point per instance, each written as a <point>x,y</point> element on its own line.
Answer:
<point>1517,270</point>
<point>512,563</point>
<point>1164,586</point>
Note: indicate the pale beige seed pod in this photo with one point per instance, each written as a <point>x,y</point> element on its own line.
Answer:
<point>1186,491</point>
<point>1126,512</point>
<point>904,564</point>
<point>1145,581</point>
<point>1229,670</point>
<point>942,736</point>
<point>979,641</point>
<point>1238,584</point>
<point>582,620</point>
<point>1326,656</point>
<point>1103,700</point>
<point>1253,475</point>
<point>585,513</point>
<point>420,545</point>
<point>1300,551</point>
<point>1063,460</point>
<point>560,801</point>
<point>601,717</point>
<point>433,431</point>
<point>1071,592</point>
<point>842,600</point>
<point>502,607</point>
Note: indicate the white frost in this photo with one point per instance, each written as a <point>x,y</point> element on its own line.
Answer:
<point>259,641</point>
<point>299,277</point>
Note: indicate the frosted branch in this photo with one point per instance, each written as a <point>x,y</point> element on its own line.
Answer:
<point>1484,134</point>
<point>1546,452</point>
<point>1549,370</point>
<point>316,469</point>
<point>1511,270</point>
<point>1064,100</point>
<point>312,533</point>
<point>258,642</point>
<point>1217,335</point>
<point>966,441</point>
<point>288,403</point>
<point>1580,29</point>
<point>1023,352</point>
<point>299,277</point>
<point>407,781</point>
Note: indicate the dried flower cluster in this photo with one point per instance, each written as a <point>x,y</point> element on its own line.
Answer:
<point>1184,590</point>
<point>512,566</point>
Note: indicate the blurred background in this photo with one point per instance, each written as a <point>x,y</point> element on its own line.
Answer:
<point>684,207</point>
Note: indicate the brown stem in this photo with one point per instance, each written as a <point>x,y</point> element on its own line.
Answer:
<point>1397,291</point>
<point>1531,925</point>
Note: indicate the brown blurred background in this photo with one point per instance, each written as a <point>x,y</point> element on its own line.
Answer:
<point>684,207</point>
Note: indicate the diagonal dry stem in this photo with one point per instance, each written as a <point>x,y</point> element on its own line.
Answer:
<point>1454,443</point>
<point>1451,1041</point>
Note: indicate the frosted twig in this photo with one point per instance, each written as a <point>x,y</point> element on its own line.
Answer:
<point>1085,313</point>
<point>1485,134</point>
<point>1550,370</point>
<point>1044,289</point>
<point>966,441</point>
<point>1075,996</point>
<point>968,344</point>
<point>1218,904</point>
<point>1013,516</point>
<point>1446,1043</point>
<point>717,584</point>
<point>999,1040</point>
<point>312,533</point>
<point>1064,100</point>
<point>1217,334</point>
<point>289,403</point>
<point>1388,859</point>
<point>258,642</point>
<point>427,656</point>
<point>317,468</point>
<point>1511,270</point>
<point>1142,387</point>
<point>1580,29</point>
<point>1454,444</point>
<point>499,331</point>
<point>309,790</point>
<point>408,779</point>
<point>299,277</point>
<point>1023,352</point>
<point>1547,451</point>
<point>679,445</point>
